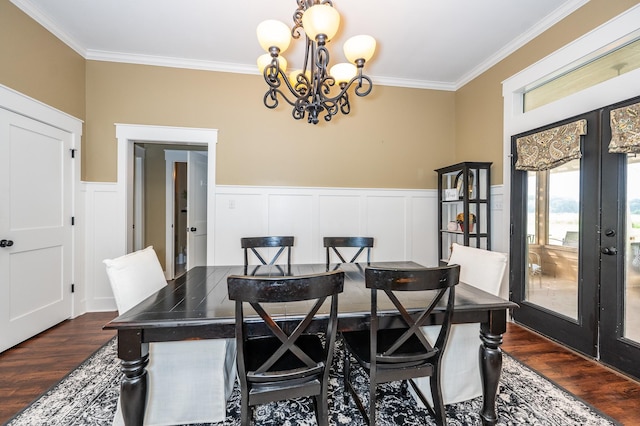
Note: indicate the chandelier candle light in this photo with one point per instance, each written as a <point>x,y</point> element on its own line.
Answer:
<point>309,91</point>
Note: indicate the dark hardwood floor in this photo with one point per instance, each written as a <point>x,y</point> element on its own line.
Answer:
<point>27,370</point>
<point>609,391</point>
<point>30,368</point>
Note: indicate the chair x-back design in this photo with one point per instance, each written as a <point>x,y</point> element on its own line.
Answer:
<point>278,361</point>
<point>333,243</point>
<point>393,352</point>
<point>254,243</point>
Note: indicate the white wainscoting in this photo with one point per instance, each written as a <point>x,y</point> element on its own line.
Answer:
<point>402,221</point>
<point>105,239</point>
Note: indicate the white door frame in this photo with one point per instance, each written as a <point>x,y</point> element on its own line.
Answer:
<point>128,135</point>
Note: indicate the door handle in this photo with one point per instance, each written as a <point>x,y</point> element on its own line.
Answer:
<point>611,251</point>
<point>6,243</point>
<point>193,229</point>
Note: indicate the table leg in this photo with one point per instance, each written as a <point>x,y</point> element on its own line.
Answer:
<point>134,357</point>
<point>490,368</point>
<point>133,391</point>
<point>491,363</point>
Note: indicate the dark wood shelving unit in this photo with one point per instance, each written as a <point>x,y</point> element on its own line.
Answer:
<point>464,192</point>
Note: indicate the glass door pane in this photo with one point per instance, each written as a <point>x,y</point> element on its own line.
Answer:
<point>553,229</point>
<point>632,270</point>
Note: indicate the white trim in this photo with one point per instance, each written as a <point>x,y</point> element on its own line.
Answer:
<point>617,89</point>
<point>292,190</point>
<point>166,61</point>
<point>163,61</point>
<point>22,104</point>
<point>127,135</point>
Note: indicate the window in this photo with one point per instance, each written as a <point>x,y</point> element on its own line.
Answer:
<point>618,58</point>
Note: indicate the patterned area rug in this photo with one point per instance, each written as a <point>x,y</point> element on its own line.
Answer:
<point>88,395</point>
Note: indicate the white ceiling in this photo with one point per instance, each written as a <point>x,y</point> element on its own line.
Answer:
<point>439,44</point>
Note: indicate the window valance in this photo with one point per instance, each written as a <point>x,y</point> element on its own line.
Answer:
<point>550,148</point>
<point>625,130</point>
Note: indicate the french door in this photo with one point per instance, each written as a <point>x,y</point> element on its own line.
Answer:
<point>620,255</point>
<point>575,248</point>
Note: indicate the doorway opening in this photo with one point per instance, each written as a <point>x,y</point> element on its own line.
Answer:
<point>128,136</point>
<point>161,204</point>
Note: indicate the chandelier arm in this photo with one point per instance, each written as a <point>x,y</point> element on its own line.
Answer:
<point>322,60</point>
<point>270,99</point>
<point>274,77</point>
<point>343,90</point>
<point>332,109</point>
<point>345,106</point>
<point>297,19</point>
<point>359,88</point>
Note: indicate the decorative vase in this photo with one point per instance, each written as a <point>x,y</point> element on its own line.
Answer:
<point>461,222</point>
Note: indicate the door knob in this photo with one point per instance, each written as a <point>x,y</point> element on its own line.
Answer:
<point>6,243</point>
<point>611,251</point>
<point>193,229</point>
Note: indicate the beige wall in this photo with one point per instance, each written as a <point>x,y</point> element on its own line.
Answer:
<point>479,104</point>
<point>35,62</point>
<point>394,137</point>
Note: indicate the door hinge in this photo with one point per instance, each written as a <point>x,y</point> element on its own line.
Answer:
<point>73,152</point>
<point>73,220</point>
<point>73,288</point>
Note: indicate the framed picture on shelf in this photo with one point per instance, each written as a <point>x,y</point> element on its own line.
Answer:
<point>450,194</point>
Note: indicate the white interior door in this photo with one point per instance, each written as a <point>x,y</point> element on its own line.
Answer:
<point>197,209</point>
<point>35,227</point>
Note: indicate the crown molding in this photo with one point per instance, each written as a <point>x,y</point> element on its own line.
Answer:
<point>552,19</point>
<point>414,84</point>
<point>164,61</point>
<point>97,55</point>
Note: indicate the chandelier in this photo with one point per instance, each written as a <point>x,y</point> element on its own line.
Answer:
<point>314,88</point>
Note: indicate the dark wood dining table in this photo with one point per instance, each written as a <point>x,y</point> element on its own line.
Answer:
<point>196,306</point>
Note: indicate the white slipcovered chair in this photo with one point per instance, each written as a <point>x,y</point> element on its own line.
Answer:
<point>189,381</point>
<point>460,367</point>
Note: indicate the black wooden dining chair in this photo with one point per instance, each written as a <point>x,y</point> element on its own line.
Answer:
<point>254,243</point>
<point>283,361</point>
<point>334,243</point>
<point>400,351</point>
